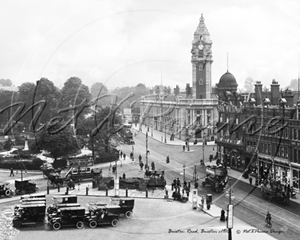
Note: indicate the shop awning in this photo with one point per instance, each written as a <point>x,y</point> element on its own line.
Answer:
<point>278,160</point>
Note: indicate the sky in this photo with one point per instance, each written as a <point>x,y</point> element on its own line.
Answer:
<point>126,42</point>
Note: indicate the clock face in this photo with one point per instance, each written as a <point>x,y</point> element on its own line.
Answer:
<point>200,46</point>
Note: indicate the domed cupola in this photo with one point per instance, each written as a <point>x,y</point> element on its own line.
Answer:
<point>227,82</point>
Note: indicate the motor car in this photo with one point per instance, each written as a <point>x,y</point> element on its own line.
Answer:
<point>102,215</point>
<point>69,216</point>
<point>126,206</point>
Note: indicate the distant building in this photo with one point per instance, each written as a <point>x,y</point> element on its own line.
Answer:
<point>191,115</point>
<point>260,133</point>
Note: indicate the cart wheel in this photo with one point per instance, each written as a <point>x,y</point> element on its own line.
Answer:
<point>56,225</point>
<point>79,224</point>
<point>93,224</point>
<point>7,193</point>
<point>128,214</point>
<point>115,222</point>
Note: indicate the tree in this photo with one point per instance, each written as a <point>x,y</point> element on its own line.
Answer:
<point>293,85</point>
<point>58,145</point>
<point>26,93</point>
<point>7,99</point>
<point>47,91</point>
<point>5,82</point>
<point>107,134</point>
<point>74,92</point>
<point>8,144</point>
<point>98,89</point>
<point>249,85</point>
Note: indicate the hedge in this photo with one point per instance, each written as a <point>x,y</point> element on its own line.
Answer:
<point>33,164</point>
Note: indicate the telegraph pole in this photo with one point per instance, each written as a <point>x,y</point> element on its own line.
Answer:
<point>229,213</point>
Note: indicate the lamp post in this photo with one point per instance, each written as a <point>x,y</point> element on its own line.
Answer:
<point>203,149</point>
<point>152,129</point>
<point>147,149</point>
<point>132,153</point>
<point>183,173</point>
<point>165,133</point>
<point>229,213</point>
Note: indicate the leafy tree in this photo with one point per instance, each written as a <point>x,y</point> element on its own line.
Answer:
<point>8,144</point>
<point>7,99</point>
<point>98,89</point>
<point>249,85</point>
<point>58,145</point>
<point>5,82</point>
<point>26,93</point>
<point>47,91</point>
<point>293,85</point>
<point>74,92</point>
<point>107,136</point>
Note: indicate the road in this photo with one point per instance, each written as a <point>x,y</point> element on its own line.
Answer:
<point>249,205</point>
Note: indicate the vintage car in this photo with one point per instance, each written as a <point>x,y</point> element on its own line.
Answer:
<point>68,216</point>
<point>30,213</point>
<point>5,189</point>
<point>25,187</point>
<point>63,201</point>
<point>102,214</point>
<point>126,205</point>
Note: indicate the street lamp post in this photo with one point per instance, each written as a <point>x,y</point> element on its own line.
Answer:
<point>203,149</point>
<point>152,129</point>
<point>183,173</point>
<point>165,133</point>
<point>132,153</point>
<point>229,213</point>
<point>147,149</point>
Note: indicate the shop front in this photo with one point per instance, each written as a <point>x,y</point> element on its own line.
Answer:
<point>267,166</point>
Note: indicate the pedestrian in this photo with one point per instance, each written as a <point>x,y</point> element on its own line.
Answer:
<point>187,192</point>
<point>168,159</point>
<point>178,182</point>
<point>201,162</point>
<point>183,147</point>
<point>140,157</point>
<point>222,217</point>
<point>121,154</point>
<point>131,155</point>
<point>202,202</point>
<point>184,185</point>
<point>124,175</point>
<point>141,165</point>
<point>124,156</point>
<point>250,180</point>
<point>174,184</point>
<point>196,185</point>
<point>12,172</point>
<point>189,186</point>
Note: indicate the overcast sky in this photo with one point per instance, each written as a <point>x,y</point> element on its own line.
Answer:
<point>126,42</point>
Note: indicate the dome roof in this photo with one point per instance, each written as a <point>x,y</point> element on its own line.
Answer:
<point>227,81</point>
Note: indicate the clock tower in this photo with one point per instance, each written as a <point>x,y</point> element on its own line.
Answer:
<point>201,62</point>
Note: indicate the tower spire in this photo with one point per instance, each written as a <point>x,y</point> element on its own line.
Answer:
<point>227,61</point>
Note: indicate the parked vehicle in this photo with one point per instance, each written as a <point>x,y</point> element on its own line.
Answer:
<point>48,169</point>
<point>5,189</point>
<point>30,213</point>
<point>126,205</point>
<point>69,216</point>
<point>64,201</point>
<point>30,199</point>
<point>216,178</point>
<point>101,214</point>
<point>25,187</point>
